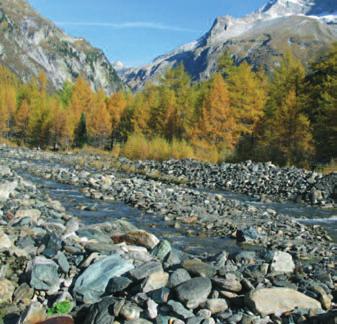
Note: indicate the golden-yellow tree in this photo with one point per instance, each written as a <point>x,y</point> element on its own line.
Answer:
<point>99,121</point>
<point>247,96</point>
<point>217,123</point>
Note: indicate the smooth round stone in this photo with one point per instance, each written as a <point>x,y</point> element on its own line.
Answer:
<point>194,292</point>
<point>178,277</point>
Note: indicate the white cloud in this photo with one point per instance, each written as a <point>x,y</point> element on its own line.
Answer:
<point>128,25</point>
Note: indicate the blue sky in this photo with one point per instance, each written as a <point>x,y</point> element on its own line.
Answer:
<point>136,31</point>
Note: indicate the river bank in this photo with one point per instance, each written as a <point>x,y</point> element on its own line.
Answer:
<point>277,256</point>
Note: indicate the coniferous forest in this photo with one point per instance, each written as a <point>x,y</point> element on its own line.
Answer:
<point>288,117</point>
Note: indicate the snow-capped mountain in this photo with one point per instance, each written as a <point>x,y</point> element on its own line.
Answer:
<point>307,27</point>
<point>30,43</point>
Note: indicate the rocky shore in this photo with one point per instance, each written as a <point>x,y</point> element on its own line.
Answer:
<point>259,180</point>
<point>56,269</point>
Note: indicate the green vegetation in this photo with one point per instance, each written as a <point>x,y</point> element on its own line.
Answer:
<point>61,308</point>
<point>288,118</point>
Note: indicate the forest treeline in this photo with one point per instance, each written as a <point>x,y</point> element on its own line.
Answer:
<point>289,117</point>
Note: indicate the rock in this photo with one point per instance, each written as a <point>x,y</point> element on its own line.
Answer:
<point>6,189</point>
<point>229,282</point>
<point>53,245</point>
<point>23,294</point>
<point>91,284</point>
<point>63,262</point>
<point>138,238</point>
<point>130,312</point>
<point>5,242</point>
<point>155,281</point>
<point>58,320</point>
<point>282,263</point>
<point>152,309</point>
<point>35,313</point>
<point>118,284</point>
<point>179,310</point>
<point>33,214</point>
<point>249,235</point>
<point>216,305</point>
<point>198,268</point>
<point>6,291</point>
<point>44,274</point>
<point>146,269</point>
<point>100,313</point>
<point>277,301</point>
<point>194,292</point>
<point>178,277</point>
<point>324,298</point>
<point>162,250</point>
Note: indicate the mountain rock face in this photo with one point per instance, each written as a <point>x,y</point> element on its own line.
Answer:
<point>306,27</point>
<point>30,43</point>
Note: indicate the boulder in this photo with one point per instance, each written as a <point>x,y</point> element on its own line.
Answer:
<point>162,250</point>
<point>138,238</point>
<point>194,291</point>
<point>146,269</point>
<point>91,284</point>
<point>229,282</point>
<point>198,268</point>
<point>5,242</point>
<point>178,277</point>
<point>33,214</point>
<point>277,301</point>
<point>44,274</point>
<point>155,281</point>
<point>282,263</point>
<point>216,305</point>
<point>100,313</point>
<point>6,189</point>
<point>6,291</point>
<point>35,313</point>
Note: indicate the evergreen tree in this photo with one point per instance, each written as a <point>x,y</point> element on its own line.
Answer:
<point>320,103</point>
<point>81,134</point>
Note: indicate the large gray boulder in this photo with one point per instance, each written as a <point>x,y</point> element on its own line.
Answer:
<point>268,301</point>
<point>194,292</point>
<point>44,275</point>
<point>91,284</point>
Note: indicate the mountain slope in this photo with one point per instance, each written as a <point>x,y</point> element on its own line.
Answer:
<point>306,27</point>
<point>30,43</point>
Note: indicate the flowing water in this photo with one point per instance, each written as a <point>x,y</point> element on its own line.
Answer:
<point>91,211</point>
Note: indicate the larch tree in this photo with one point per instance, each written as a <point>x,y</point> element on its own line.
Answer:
<point>217,123</point>
<point>99,121</point>
<point>288,138</point>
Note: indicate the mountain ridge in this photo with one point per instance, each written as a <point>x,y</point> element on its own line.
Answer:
<point>30,43</point>
<point>235,34</point>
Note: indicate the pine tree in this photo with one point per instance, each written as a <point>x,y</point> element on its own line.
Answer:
<point>320,102</point>
<point>81,134</point>
<point>21,121</point>
<point>226,65</point>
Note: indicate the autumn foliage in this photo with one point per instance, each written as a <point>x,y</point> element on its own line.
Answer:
<point>288,117</point>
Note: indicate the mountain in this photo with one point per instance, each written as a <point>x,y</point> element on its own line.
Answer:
<point>306,27</point>
<point>30,43</point>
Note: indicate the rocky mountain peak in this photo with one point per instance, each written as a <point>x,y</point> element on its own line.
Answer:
<point>304,7</point>
<point>30,43</point>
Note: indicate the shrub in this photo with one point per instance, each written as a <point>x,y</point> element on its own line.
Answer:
<point>159,149</point>
<point>181,150</point>
<point>136,147</point>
